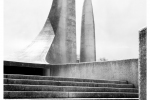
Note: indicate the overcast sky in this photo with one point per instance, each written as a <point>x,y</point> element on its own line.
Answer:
<point>117,23</point>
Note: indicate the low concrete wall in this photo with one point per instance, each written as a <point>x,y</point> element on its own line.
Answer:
<point>111,70</point>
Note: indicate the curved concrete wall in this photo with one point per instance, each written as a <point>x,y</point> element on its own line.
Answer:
<point>63,19</point>
<point>36,52</point>
<point>111,70</point>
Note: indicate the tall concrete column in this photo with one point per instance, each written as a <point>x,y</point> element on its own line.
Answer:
<point>143,64</point>
<point>87,49</point>
<point>63,20</point>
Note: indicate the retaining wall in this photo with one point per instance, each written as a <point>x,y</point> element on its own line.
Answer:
<point>111,70</point>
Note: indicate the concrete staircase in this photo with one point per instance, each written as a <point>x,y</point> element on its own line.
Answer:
<point>58,88</point>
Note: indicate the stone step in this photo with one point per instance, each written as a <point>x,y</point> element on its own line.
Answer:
<point>53,94</point>
<point>81,99</point>
<point>18,87</point>
<point>65,83</point>
<point>36,77</point>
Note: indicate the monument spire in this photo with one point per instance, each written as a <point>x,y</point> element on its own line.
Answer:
<point>63,20</point>
<point>87,49</point>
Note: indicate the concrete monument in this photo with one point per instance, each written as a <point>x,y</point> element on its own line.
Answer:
<point>36,52</point>
<point>63,20</point>
<point>87,49</point>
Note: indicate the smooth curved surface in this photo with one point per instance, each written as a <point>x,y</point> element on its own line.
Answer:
<point>87,49</point>
<point>37,50</point>
<point>63,19</point>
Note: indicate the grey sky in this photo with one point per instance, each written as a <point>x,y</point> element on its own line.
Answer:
<point>117,23</point>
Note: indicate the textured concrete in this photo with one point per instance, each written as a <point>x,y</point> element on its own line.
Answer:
<point>142,63</point>
<point>52,94</point>
<point>81,99</point>
<point>31,88</point>
<point>124,70</point>
<point>22,87</point>
<point>64,83</point>
<point>63,19</point>
<point>36,77</point>
<point>111,70</point>
<point>63,48</point>
<point>37,50</point>
<point>87,49</point>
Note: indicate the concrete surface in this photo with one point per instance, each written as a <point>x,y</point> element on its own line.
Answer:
<point>37,50</point>
<point>37,77</point>
<point>23,87</point>
<point>142,63</point>
<point>47,47</point>
<point>65,83</point>
<point>63,19</point>
<point>88,48</point>
<point>82,99</point>
<point>123,70</point>
<point>112,70</point>
<point>15,88</point>
<point>53,94</point>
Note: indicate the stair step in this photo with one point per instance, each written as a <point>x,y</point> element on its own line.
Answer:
<point>65,83</point>
<point>59,88</point>
<point>82,99</point>
<point>53,94</point>
<point>20,87</point>
<point>36,77</point>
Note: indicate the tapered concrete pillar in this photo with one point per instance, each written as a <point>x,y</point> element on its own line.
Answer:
<point>87,49</point>
<point>63,20</point>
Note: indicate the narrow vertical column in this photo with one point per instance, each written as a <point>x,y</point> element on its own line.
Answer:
<point>142,64</point>
<point>62,17</point>
<point>87,49</point>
